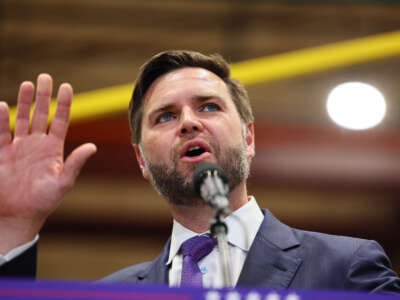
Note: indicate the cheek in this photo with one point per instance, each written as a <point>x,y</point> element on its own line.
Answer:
<point>156,148</point>
<point>150,148</point>
<point>234,134</point>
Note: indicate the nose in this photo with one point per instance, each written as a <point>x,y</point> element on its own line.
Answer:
<point>189,122</point>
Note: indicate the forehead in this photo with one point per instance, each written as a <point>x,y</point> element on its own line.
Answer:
<point>186,81</point>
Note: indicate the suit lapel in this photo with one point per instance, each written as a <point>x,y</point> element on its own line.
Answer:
<point>273,258</point>
<point>272,261</point>
<point>157,271</point>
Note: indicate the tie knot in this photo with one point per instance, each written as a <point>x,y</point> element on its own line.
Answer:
<point>197,247</point>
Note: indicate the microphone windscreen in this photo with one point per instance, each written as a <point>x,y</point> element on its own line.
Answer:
<point>203,170</point>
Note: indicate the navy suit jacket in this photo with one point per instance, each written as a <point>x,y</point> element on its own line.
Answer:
<point>284,257</point>
<point>280,257</point>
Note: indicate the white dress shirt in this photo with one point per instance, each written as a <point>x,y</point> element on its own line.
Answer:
<point>243,225</point>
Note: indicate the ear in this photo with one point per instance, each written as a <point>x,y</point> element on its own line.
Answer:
<point>141,161</point>
<point>251,152</point>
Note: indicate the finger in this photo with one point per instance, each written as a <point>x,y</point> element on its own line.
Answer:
<point>5,134</point>
<point>40,118</point>
<point>24,102</point>
<point>60,122</point>
<point>74,163</point>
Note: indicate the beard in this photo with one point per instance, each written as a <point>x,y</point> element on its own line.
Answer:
<point>178,188</point>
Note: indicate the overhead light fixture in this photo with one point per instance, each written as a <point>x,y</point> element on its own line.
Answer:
<point>356,105</point>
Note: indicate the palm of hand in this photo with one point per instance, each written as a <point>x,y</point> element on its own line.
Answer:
<point>32,166</point>
<point>33,173</point>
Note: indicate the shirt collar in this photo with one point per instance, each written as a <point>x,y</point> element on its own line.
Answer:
<point>243,225</point>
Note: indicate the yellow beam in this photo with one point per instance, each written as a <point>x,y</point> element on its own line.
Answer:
<point>115,99</point>
<point>317,59</point>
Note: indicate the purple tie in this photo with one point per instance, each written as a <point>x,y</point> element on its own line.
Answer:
<point>193,250</point>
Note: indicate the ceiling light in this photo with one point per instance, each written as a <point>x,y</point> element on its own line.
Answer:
<point>356,105</point>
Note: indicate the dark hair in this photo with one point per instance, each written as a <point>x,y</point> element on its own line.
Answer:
<point>168,61</point>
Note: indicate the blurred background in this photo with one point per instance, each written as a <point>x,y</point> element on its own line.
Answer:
<point>311,173</point>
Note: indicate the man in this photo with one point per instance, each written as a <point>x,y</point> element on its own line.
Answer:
<point>185,110</point>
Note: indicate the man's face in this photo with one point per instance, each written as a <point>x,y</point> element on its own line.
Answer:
<point>188,118</point>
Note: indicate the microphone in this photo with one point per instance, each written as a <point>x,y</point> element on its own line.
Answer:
<point>211,184</point>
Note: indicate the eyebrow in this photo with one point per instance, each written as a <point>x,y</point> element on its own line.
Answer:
<point>160,109</point>
<point>196,98</point>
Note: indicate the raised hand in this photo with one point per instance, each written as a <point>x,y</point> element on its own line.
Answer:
<point>33,174</point>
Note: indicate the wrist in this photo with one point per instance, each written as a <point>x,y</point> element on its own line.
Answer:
<point>13,253</point>
<point>15,233</point>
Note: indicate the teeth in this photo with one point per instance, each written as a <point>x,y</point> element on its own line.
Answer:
<point>194,151</point>
<point>194,148</point>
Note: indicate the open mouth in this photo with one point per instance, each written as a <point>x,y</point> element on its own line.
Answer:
<point>195,151</point>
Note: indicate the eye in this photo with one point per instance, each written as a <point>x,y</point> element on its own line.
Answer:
<point>209,107</point>
<point>165,117</point>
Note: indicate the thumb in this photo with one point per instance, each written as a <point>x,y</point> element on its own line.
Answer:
<point>75,161</point>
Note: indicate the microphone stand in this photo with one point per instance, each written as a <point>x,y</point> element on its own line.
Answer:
<point>211,184</point>
<point>219,231</point>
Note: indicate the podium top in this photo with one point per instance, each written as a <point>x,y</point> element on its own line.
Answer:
<point>63,290</point>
